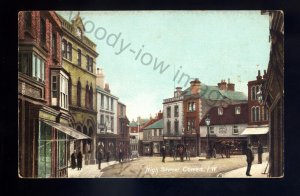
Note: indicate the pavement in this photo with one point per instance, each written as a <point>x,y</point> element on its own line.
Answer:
<point>257,171</point>
<point>90,171</point>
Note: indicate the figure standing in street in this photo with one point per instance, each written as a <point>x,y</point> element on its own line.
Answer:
<point>73,160</point>
<point>100,156</point>
<point>259,152</point>
<point>214,151</point>
<point>120,155</point>
<point>250,158</point>
<point>79,160</point>
<point>163,153</point>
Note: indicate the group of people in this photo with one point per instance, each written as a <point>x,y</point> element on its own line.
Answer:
<point>76,160</point>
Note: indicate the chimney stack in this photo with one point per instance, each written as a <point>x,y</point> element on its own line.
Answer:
<point>230,86</point>
<point>100,78</point>
<point>258,77</point>
<point>222,85</point>
<point>195,86</point>
<point>265,74</point>
<point>178,91</point>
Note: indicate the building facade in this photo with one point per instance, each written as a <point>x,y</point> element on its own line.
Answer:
<point>173,116</point>
<point>123,130</point>
<point>153,138</point>
<point>226,125</point>
<point>273,93</point>
<point>258,114</point>
<point>79,60</point>
<point>45,126</point>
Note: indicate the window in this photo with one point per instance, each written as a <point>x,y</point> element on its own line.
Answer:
<point>253,93</point>
<point>212,129</point>
<point>237,110</point>
<point>54,45</point>
<point>91,96</point>
<point>257,114</point>
<point>36,66</point>
<point>64,49</point>
<point>122,111</point>
<point>220,111</point>
<point>25,63</point>
<point>176,125</point>
<point>107,102</point>
<point>89,65</point>
<point>64,92</point>
<point>79,57</point>
<point>102,101</point>
<point>169,127</point>
<point>256,91</point>
<point>61,150</point>
<point>253,114</point>
<point>87,92</point>
<point>112,104</point>
<point>101,119</point>
<point>79,93</point>
<point>54,87</point>
<point>44,150</point>
<point>69,51</point>
<point>191,106</point>
<point>168,112</point>
<point>112,123</point>
<point>176,111</point>
<point>160,132</point>
<point>27,18</point>
<point>235,130</point>
<point>191,125</point>
<point>43,32</point>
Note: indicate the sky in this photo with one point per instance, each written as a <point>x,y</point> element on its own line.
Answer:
<point>141,52</point>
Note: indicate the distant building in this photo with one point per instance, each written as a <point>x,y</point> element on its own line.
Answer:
<point>226,124</point>
<point>123,130</point>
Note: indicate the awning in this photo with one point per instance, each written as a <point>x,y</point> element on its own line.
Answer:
<point>67,130</point>
<point>255,131</point>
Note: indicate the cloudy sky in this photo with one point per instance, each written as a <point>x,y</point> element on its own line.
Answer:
<point>142,52</point>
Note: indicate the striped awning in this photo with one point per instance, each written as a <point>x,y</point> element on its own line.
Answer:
<point>255,131</point>
<point>67,130</point>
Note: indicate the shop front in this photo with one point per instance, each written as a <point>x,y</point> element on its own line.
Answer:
<point>171,143</point>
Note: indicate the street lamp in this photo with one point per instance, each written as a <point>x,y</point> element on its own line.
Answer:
<point>207,122</point>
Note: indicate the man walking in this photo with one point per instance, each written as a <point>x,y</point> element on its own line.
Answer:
<point>259,152</point>
<point>250,158</point>
<point>163,153</point>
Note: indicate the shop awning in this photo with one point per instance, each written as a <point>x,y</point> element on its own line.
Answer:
<point>255,131</point>
<point>67,130</point>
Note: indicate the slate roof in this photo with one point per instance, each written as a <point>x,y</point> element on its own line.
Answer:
<point>156,125</point>
<point>228,117</point>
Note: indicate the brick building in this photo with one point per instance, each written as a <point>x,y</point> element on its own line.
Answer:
<point>44,122</point>
<point>123,141</point>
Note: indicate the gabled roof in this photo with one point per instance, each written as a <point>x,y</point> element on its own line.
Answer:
<point>228,117</point>
<point>156,125</point>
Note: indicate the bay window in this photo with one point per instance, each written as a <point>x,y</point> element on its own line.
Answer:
<point>32,65</point>
<point>59,89</point>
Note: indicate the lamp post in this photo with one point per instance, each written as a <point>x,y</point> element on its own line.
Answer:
<point>207,122</point>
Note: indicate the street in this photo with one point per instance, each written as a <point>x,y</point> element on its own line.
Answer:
<point>152,167</point>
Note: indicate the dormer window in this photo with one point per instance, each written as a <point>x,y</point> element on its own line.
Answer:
<point>220,111</point>
<point>237,110</point>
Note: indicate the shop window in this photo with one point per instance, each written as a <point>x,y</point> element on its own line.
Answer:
<point>61,150</point>
<point>44,152</point>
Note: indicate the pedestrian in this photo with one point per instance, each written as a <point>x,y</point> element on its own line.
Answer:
<point>100,156</point>
<point>163,152</point>
<point>250,158</point>
<point>73,160</point>
<point>259,152</point>
<point>107,156</point>
<point>214,151</point>
<point>120,155</point>
<point>79,160</point>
